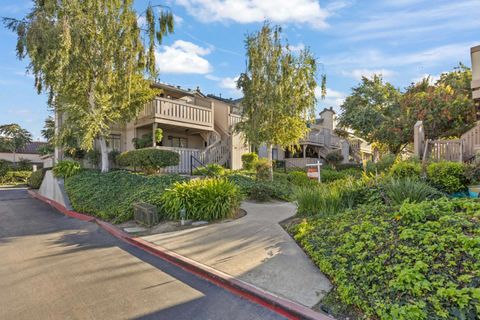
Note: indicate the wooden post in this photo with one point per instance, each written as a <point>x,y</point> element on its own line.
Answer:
<point>418,139</point>
<point>154,140</point>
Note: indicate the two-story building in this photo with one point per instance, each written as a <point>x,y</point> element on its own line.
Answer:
<point>321,140</point>
<point>198,127</point>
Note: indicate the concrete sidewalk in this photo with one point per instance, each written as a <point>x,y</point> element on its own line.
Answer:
<point>255,249</point>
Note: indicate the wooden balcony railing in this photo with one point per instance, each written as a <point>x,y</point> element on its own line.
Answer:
<point>169,111</point>
<point>471,142</point>
<point>233,119</point>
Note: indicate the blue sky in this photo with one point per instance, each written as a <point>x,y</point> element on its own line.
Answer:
<point>402,39</point>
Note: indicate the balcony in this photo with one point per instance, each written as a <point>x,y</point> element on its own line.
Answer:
<point>323,137</point>
<point>233,119</point>
<point>176,113</point>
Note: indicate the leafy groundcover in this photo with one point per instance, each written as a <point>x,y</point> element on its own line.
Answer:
<point>110,196</point>
<point>413,261</point>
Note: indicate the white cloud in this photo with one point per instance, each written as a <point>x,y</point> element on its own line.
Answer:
<point>228,83</point>
<point>333,98</point>
<point>247,11</point>
<point>432,78</point>
<point>406,21</point>
<point>297,48</point>
<point>357,74</point>
<point>183,57</point>
<point>178,20</point>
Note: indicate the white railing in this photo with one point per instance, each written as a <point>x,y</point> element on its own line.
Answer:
<point>218,153</point>
<point>233,119</point>
<point>471,142</point>
<point>179,111</point>
<point>185,158</point>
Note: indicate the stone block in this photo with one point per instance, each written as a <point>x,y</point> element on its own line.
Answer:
<point>145,213</point>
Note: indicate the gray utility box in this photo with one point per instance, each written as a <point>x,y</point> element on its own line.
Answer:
<point>145,213</point>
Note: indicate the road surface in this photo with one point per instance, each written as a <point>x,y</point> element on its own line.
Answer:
<point>56,267</point>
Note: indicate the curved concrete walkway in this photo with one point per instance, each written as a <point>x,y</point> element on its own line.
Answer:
<point>255,249</point>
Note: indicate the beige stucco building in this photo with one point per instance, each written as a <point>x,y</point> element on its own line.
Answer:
<point>198,127</point>
<point>321,140</point>
<point>30,152</point>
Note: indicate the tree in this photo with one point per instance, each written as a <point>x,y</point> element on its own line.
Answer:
<point>48,133</point>
<point>373,112</point>
<point>91,57</point>
<point>13,138</point>
<point>446,107</point>
<point>279,91</point>
<point>382,115</point>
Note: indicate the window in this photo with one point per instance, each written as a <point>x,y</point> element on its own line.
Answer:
<point>274,154</point>
<point>113,142</point>
<point>178,142</point>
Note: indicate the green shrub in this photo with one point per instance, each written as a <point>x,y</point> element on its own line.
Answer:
<point>66,169</point>
<point>249,160</point>
<point>24,165</point>
<point>111,195</point>
<point>210,170</point>
<point>332,198</point>
<point>149,160</point>
<point>4,168</point>
<point>418,261</point>
<point>447,176</point>
<point>112,156</point>
<point>385,163</point>
<point>203,199</point>
<point>330,175</point>
<point>300,179</point>
<point>348,166</point>
<point>263,168</point>
<point>144,142</point>
<point>407,189</point>
<point>472,173</point>
<point>334,158</point>
<point>252,189</point>
<point>15,177</point>
<point>94,157</point>
<point>406,169</point>
<point>36,178</point>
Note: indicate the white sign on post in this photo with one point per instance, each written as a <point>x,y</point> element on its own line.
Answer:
<point>313,171</point>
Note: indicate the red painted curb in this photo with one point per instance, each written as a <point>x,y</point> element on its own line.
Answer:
<point>282,306</point>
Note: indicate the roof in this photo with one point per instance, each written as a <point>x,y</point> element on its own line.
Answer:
<point>32,147</point>
<point>327,109</point>
<point>178,89</point>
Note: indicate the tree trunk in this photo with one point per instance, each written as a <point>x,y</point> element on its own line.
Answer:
<point>269,158</point>
<point>104,153</point>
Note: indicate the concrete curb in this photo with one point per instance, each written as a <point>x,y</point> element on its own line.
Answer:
<point>280,305</point>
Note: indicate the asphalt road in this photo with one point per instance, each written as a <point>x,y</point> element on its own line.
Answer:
<point>56,267</point>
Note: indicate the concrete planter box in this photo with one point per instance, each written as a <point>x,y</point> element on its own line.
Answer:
<point>145,214</point>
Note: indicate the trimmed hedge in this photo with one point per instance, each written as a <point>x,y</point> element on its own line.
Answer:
<point>36,178</point>
<point>110,196</point>
<point>148,159</point>
<point>203,199</point>
<point>416,261</point>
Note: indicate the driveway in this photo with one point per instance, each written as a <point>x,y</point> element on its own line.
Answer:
<point>55,267</point>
